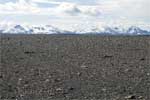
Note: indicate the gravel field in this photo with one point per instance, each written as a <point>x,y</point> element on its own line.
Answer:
<point>74,67</point>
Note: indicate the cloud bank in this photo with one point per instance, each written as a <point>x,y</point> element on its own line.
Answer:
<point>77,11</point>
<point>117,7</point>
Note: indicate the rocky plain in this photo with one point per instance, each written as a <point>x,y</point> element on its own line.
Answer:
<point>74,67</point>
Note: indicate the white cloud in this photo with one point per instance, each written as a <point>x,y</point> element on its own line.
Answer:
<point>126,8</point>
<point>21,6</point>
<point>69,8</point>
<point>62,8</point>
<point>74,9</point>
<point>46,1</point>
<point>91,10</point>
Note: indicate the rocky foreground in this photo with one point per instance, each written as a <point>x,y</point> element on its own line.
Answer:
<point>79,67</point>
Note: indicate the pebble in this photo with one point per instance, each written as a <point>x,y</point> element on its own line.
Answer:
<point>20,79</point>
<point>126,70</point>
<point>47,80</point>
<point>83,66</point>
<point>140,97</point>
<point>79,74</point>
<point>59,89</point>
<point>104,89</point>
<point>57,80</point>
<point>130,97</point>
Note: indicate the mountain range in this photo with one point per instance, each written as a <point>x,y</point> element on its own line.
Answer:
<point>48,29</point>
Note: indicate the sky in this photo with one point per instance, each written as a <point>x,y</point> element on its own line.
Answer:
<point>66,13</point>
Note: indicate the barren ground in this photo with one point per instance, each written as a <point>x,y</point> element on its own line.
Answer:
<point>80,67</point>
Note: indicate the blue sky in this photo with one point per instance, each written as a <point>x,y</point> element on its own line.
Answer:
<point>67,13</point>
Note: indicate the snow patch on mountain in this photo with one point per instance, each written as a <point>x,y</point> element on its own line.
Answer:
<point>49,29</point>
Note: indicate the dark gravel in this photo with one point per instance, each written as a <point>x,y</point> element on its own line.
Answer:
<point>74,67</point>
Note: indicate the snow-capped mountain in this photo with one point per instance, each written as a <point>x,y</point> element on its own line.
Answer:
<point>15,29</point>
<point>48,29</point>
<point>20,29</point>
<point>137,30</point>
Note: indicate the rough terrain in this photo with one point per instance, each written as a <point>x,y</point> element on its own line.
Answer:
<point>79,67</point>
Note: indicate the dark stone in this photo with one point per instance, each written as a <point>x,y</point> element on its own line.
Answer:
<point>108,56</point>
<point>142,59</point>
<point>71,88</point>
<point>29,52</point>
<point>1,76</point>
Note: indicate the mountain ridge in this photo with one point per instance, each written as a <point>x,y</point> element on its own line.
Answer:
<point>48,29</point>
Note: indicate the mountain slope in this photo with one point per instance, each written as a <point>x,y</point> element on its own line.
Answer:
<point>48,29</point>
